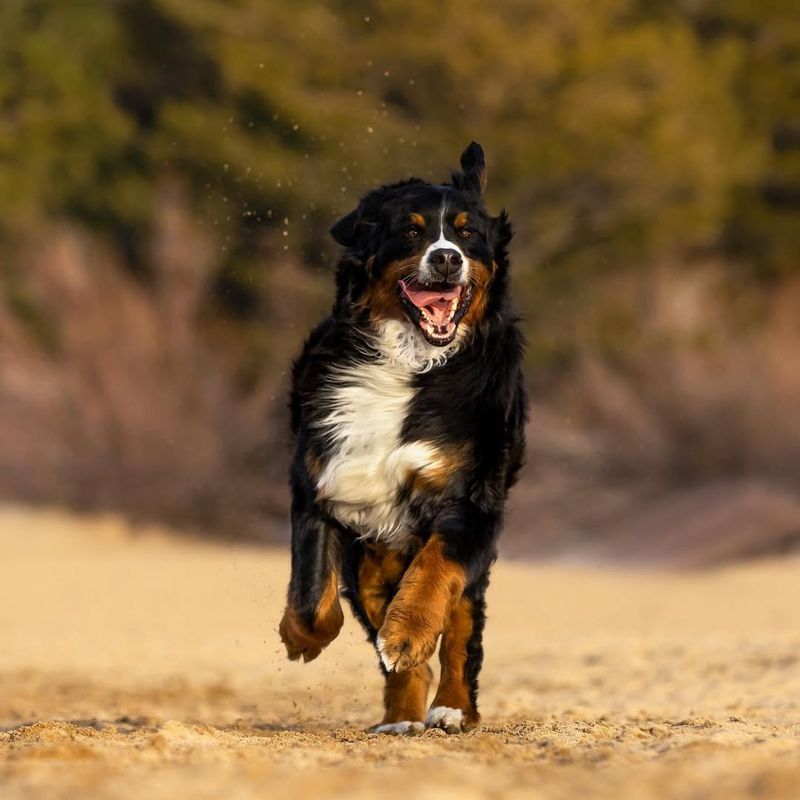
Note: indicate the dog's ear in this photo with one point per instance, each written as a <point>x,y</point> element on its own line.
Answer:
<point>472,177</point>
<point>350,228</point>
<point>502,233</point>
<point>344,231</point>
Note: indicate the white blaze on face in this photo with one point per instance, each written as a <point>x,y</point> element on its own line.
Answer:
<point>442,243</point>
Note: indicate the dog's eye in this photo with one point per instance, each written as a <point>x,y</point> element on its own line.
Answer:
<point>413,231</point>
<point>465,233</point>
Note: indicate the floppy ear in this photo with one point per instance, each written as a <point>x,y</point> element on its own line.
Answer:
<point>344,231</point>
<point>352,227</point>
<point>473,170</point>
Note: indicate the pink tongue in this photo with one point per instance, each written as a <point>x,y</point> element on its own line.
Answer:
<point>439,311</point>
<point>422,297</point>
<point>436,303</point>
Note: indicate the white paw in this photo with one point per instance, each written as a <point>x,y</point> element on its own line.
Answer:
<point>449,720</point>
<point>388,662</point>
<point>399,728</point>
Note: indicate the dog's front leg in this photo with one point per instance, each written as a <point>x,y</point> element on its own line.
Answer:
<point>313,615</point>
<point>421,608</point>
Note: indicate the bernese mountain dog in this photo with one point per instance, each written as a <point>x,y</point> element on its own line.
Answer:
<point>408,414</point>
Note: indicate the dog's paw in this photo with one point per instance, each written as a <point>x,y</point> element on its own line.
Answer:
<point>402,644</point>
<point>296,637</point>
<point>300,641</point>
<point>450,720</point>
<point>403,728</point>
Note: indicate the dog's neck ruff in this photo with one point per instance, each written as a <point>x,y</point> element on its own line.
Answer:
<point>402,345</point>
<point>368,463</point>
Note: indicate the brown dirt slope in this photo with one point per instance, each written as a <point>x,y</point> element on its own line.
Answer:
<point>134,665</point>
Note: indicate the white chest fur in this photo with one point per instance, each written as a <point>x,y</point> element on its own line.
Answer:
<point>368,465</point>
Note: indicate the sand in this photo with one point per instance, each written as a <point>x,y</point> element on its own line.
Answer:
<point>135,664</point>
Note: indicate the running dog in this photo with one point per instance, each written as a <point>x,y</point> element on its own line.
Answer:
<point>408,415</point>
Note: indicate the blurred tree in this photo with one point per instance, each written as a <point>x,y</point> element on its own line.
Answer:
<point>617,131</point>
<point>223,137</point>
<point>763,228</point>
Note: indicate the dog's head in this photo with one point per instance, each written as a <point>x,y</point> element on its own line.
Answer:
<point>430,255</point>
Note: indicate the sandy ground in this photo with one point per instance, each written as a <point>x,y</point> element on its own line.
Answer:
<point>136,665</point>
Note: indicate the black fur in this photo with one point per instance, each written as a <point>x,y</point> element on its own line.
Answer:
<point>476,398</point>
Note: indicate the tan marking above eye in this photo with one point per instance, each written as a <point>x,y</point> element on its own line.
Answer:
<point>461,219</point>
<point>417,219</point>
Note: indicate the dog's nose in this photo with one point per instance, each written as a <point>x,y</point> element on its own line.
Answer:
<point>445,261</point>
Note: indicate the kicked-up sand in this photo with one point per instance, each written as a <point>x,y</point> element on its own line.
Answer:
<point>134,665</point>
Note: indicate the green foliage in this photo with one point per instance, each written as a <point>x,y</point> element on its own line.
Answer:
<point>25,309</point>
<point>617,131</point>
<point>764,223</point>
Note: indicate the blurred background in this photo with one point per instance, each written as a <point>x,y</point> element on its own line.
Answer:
<point>169,171</point>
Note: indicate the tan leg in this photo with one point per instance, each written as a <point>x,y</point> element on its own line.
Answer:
<point>421,608</point>
<point>452,708</point>
<point>300,640</point>
<point>405,699</point>
<point>379,572</point>
<point>405,695</point>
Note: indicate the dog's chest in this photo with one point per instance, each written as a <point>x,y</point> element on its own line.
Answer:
<point>368,465</point>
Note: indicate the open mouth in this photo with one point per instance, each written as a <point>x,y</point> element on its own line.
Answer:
<point>436,308</point>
